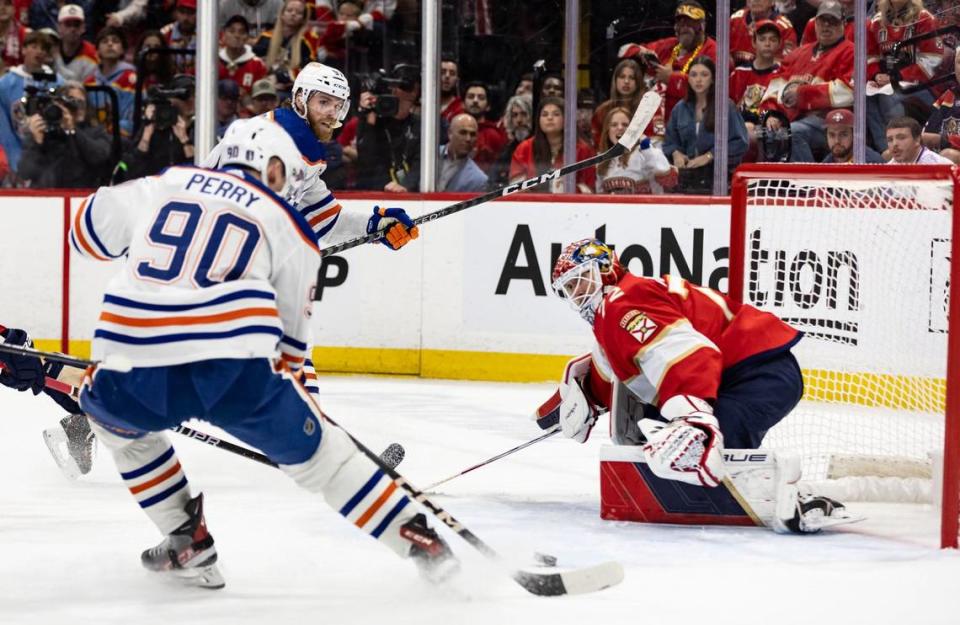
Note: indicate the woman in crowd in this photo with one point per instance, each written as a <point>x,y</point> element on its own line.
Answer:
<point>689,142</point>
<point>626,89</point>
<point>641,171</point>
<point>544,151</point>
<point>287,47</point>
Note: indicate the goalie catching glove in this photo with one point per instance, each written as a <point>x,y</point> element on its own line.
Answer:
<point>398,228</point>
<point>687,448</point>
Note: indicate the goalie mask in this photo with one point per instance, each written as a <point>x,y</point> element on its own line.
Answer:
<point>320,78</point>
<point>254,142</point>
<point>581,272</point>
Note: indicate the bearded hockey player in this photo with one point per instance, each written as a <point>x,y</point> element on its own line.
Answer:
<point>709,372</point>
<point>212,310</point>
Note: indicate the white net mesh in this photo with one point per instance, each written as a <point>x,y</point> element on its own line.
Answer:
<point>862,267</point>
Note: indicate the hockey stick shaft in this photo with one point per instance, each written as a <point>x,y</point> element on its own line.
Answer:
<point>647,108</point>
<point>495,458</point>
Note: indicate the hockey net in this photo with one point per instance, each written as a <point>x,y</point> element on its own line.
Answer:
<point>858,258</point>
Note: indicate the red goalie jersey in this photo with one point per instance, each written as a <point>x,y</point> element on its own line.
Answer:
<point>666,337</point>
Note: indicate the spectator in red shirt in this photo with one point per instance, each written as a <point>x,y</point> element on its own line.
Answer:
<point>11,36</point>
<point>942,131</point>
<point>182,33</point>
<point>544,151</point>
<point>742,30</point>
<point>490,136</point>
<point>626,89</point>
<point>237,60</point>
<point>450,103</point>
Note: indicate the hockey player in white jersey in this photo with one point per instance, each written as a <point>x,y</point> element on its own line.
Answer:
<point>212,310</point>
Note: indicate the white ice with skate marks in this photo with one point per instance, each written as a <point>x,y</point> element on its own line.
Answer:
<point>70,550</point>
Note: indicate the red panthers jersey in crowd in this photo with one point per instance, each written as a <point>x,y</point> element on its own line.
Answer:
<point>664,336</point>
<point>927,54</point>
<point>741,36</point>
<point>826,74</point>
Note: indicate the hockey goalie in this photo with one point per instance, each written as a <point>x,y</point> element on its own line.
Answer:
<point>692,381</point>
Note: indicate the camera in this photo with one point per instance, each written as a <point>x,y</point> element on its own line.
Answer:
<point>379,83</point>
<point>165,113</point>
<point>43,101</point>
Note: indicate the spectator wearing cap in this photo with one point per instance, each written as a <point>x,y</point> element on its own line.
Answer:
<point>117,74</point>
<point>905,146</point>
<point>942,131</point>
<point>743,25</point>
<point>182,34</point>
<point>228,102</point>
<point>894,21</point>
<point>490,136</point>
<point>237,60</point>
<point>286,48</point>
<point>76,57</point>
<point>749,82</point>
<point>814,79</point>
<point>37,48</point>
<point>839,128</point>
<point>263,97</point>
<point>46,13</point>
<point>12,33</point>
<point>669,59</point>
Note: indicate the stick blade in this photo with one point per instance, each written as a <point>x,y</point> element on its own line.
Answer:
<point>648,107</point>
<point>574,582</point>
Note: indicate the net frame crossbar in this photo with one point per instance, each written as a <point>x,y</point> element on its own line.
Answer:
<point>950,517</point>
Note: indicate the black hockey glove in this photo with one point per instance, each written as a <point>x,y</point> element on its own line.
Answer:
<point>21,372</point>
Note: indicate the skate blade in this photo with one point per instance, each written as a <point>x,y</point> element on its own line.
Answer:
<point>200,577</point>
<point>56,441</point>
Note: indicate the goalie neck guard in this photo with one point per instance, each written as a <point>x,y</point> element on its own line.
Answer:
<point>581,272</point>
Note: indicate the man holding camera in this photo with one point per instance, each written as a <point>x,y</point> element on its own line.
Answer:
<point>388,134</point>
<point>62,149</point>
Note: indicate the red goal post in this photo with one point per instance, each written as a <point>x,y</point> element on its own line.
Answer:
<point>858,256</point>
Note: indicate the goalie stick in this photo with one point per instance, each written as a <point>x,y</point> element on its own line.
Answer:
<point>648,107</point>
<point>575,581</point>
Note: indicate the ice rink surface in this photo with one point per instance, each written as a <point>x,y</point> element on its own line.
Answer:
<point>70,550</point>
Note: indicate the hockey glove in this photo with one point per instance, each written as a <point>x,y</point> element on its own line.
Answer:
<point>688,448</point>
<point>22,372</point>
<point>399,228</point>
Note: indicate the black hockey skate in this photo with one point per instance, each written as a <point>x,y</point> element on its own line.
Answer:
<point>71,445</point>
<point>429,552</point>
<point>187,552</point>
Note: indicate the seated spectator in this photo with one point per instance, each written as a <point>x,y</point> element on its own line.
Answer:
<point>450,103</point>
<point>942,131</point>
<point>388,148</point>
<point>37,50</point>
<point>896,20</point>
<point>182,34</point>
<point>286,49</point>
<point>157,145</point>
<point>458,172</point>
<point>642,171</point>
<point>813,80</point>
<point>626,89</point>
<point>491,137</point>
<point>76,58</point>
<point>670,58</point>
<point>12,33</point>
<point>113,71</point>
<point>69,153</point>
<point>264,97</point>
<point>839,125</point>
<point>903,141</point>
<point>689,142</point>
<point>849,29</point>
<point>228,102</point>
<point>46,14</point>
<point>743,32</point>
<point>517,123</point>
<point>749,82</point>
<point>544,151</point>
<point>260,15</point>
<point>330,45</point>
<point>157,69</point>
<point>237,60</point>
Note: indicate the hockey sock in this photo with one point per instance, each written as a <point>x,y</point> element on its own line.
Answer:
<point>151,471</point>
<point>357,488</point>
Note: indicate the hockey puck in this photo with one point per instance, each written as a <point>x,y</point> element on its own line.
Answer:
<point>543,559</point>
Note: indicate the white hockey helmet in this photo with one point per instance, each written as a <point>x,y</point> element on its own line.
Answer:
<point>317,77</point>
<point>253,142</point>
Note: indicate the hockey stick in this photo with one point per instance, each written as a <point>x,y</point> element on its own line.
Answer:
<point>576,581</point>
<point>649,104</point>
<point>553,431</point>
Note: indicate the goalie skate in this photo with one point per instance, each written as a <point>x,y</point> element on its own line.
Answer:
<point>71,445</point>
<point>188,552</point>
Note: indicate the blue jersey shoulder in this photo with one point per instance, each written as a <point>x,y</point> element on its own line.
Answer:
<point>301,133</point>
